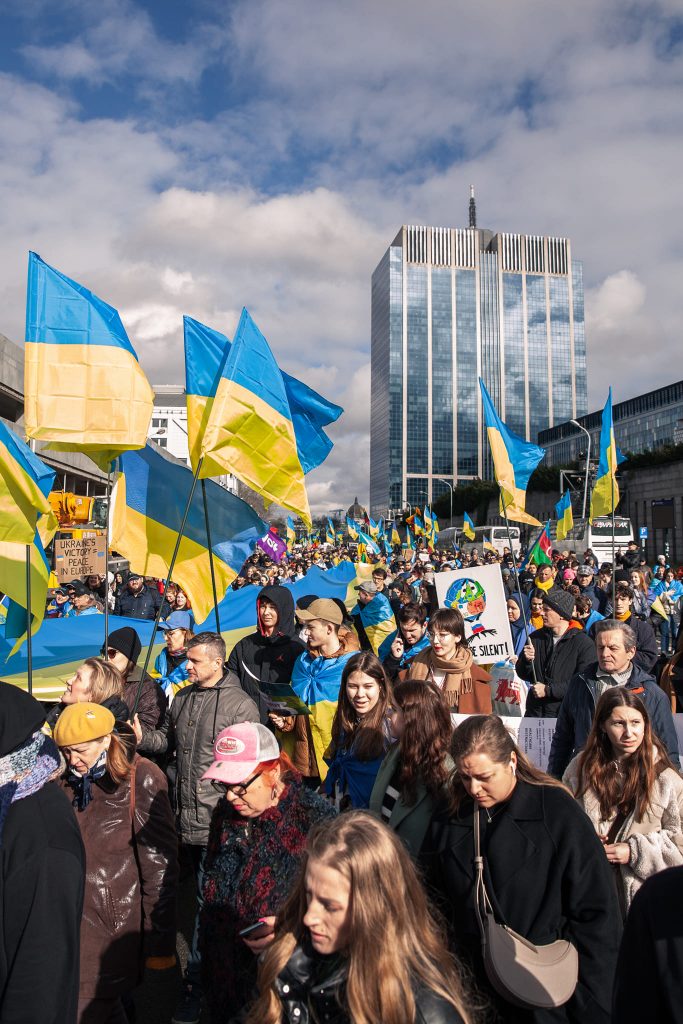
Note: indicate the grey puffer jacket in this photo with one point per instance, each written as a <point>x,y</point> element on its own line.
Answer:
<point>190,727</point>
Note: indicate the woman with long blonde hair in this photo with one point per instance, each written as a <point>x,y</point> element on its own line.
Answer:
<point>355,942</point>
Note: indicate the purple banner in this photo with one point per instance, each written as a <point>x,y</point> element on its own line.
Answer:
<point>272,545</point>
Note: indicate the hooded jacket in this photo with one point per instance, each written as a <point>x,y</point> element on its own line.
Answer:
<point>575,719</point>
<point>261,661</point>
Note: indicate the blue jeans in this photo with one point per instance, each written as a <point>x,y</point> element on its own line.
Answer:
<point>193,971</point>
<point>665,633</point>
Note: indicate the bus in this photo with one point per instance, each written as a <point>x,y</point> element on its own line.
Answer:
<point>497,535</point>
<point>597,536</point>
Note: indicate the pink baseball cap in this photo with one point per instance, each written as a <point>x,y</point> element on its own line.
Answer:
<point>239,750</point>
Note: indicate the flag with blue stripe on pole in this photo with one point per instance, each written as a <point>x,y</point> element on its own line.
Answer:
<point>605,495</point>
<point>564,515</point>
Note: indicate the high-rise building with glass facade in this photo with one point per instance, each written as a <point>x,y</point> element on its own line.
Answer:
<point>450,305</point>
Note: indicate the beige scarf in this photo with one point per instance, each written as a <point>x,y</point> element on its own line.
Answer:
<point>458,672</point>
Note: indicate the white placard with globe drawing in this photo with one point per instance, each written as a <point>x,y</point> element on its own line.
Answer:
<point>478,594</point>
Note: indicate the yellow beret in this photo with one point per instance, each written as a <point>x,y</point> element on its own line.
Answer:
<point>80,723</point>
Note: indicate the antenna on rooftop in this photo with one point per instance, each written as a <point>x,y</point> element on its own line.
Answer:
<point>473,208</point>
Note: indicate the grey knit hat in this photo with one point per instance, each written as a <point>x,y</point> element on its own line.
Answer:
<point>561,601</point>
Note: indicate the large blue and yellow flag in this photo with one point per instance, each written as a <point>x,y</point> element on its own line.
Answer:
<point>514,460</point>
<point>205,353</point>
<point>368,542</point>
<point>373,528</point>
<point>291,533</point>
<point>149,497</point>
<point>25,484</point>
<point>352,528</point>
<point>605,496</point>
<point>249,431</point>
<point>565,517</point>
<point>468,527</point>
<point>85,389</point>
<point>377,618</point>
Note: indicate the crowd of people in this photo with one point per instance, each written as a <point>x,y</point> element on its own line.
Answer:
<point>351,849</point>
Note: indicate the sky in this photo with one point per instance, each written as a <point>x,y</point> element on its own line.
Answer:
<point>198,157</point>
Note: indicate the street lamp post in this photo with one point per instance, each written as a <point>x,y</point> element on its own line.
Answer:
<point>588,462</point>
<point>450,522</point>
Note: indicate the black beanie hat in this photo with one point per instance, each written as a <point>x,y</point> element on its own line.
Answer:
<point>561,601</point>
<point>20,716</point>
<point>126,641</point>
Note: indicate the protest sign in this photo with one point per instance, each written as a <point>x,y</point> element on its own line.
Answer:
<point>533,736</point>
<point>508,691</point>
<point>478,594</point>
<point>282,700</point>
<point>76,557</point>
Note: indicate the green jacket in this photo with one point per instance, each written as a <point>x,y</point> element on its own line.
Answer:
<point>409,822</point>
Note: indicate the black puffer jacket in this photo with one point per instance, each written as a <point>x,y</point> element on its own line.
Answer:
<point>555,665</point>
<point>306,997</point>
<point>261,661</point>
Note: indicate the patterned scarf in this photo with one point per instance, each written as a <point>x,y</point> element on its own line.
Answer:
<point>82,784</point>
<point>26,770</point>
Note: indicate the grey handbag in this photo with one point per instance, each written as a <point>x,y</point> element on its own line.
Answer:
<point>527,975</point>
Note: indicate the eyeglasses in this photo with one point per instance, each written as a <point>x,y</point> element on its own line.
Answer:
<point>240,788</point>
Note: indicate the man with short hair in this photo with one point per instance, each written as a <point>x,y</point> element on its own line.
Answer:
<point>585,580</point>
<point>137,601</point>
<point>553,654</point>
<point>379,577</point>
<point>616,649</point>
<point>399,649</point>
<point>211,702</point>
<point>83,601</point>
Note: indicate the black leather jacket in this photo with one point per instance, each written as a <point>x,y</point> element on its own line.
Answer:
<point>305,1000</point>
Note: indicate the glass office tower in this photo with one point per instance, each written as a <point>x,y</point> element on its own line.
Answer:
<point>450,305</point>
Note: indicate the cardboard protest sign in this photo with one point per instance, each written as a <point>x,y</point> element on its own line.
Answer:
<point>77,557</point>
<point>478,594</point>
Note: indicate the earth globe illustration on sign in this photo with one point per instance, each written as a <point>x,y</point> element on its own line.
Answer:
<point>469,598</point>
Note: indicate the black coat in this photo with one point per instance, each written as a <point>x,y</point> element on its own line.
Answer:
<point>548,877</point>
<point>261,661</point>
<point>305,1001</point>
<point>555,664</point>
<point>143,605</point>
<point>42,872</point>
<point>646,643</point>
<point>649,981</point>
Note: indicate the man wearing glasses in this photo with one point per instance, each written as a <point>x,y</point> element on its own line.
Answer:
<point>212,701</point>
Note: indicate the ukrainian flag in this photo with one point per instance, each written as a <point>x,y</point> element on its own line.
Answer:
<point>291,533</point>
<point>395,536</point>
<point>467,526</point>
<point>410,540</point>
<point>368,542</point>
<point>378,620</point>
<point>85,390</point>
<point>373,528</point>
<point>317,681</point>
<point>565,517</point>
<point>249,431</point>
<point>206,351</point>
<point>514,460</point>
<point>149,498</point>
<point>25,484</point>
<point>352,529</point>
<point>605,496</point>
<point>488,546</point>
<point>329,532</point>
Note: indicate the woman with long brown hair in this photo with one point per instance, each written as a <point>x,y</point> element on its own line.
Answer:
<point>413,776</point>
<point>630,790</point>
<point>546,874</point>
<point>449,664</point>
<point>122,808</point>
<point>355,942</point>
<point>360,734</point>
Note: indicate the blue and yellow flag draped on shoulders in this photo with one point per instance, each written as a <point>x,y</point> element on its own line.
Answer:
<point>564,516</point>
<point>84,388</point>
<point>514,460</point>
<point>605,495</point>
<point>316,681</point>
<point>148,502</point>
<point>378,620</point>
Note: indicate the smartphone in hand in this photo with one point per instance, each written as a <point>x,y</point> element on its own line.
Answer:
<point>258,930</point>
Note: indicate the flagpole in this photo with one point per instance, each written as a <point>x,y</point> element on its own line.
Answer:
<point>106,569</point>
<point>211,565</point>
<point>519,586</point>
<point>29,621</point>
<point>171,566</point>
<point>614,568</point>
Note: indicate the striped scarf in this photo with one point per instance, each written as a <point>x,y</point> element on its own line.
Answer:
<point>26,770</point>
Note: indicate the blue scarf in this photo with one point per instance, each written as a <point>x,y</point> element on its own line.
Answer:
<point>82,784</point>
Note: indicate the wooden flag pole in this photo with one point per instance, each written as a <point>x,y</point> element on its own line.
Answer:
<point>171,566</point>
<point>519,587</point>
<point>211,565</point>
